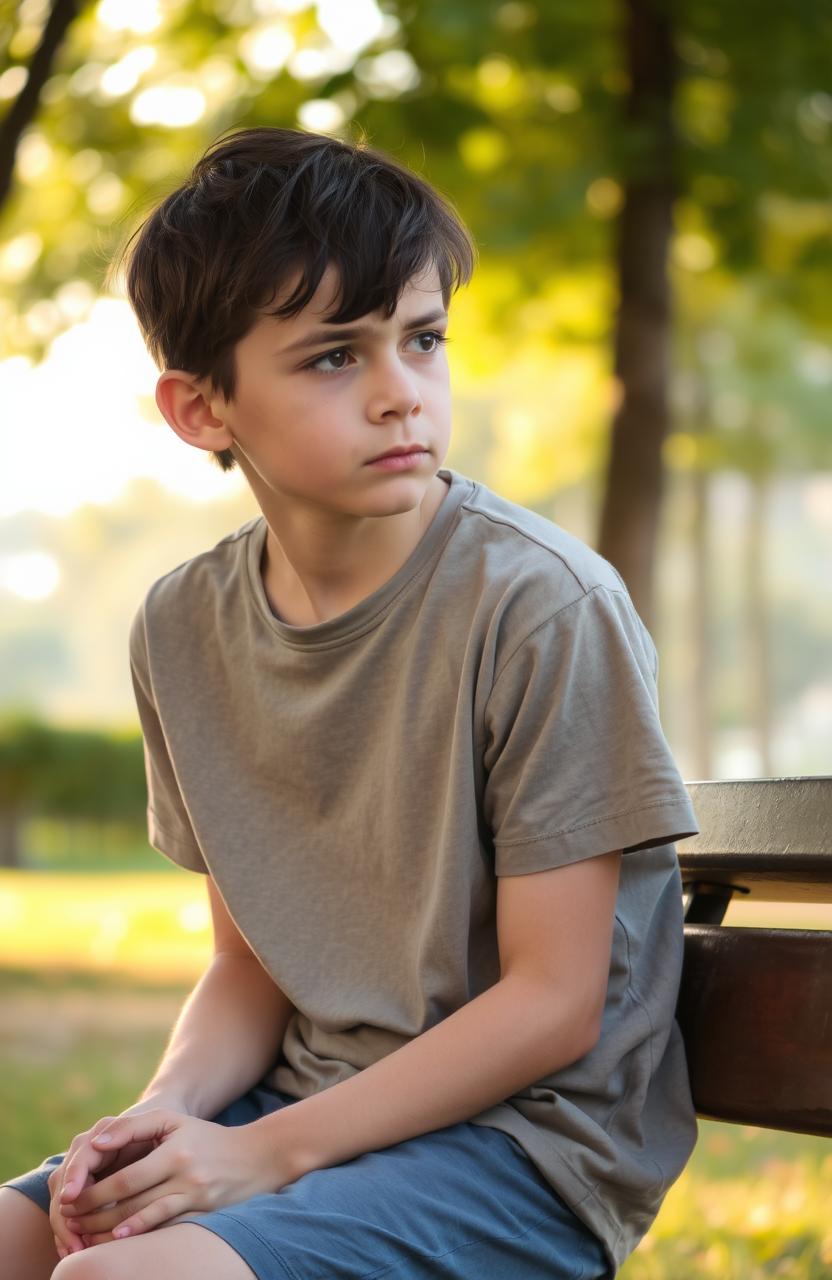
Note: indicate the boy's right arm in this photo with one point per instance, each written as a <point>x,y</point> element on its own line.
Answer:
<point>234,1020</point>
<point>226,1037</point>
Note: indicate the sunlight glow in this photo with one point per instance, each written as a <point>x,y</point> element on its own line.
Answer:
<point>265,49</point>
<point>350,26</point>
<point>18,256</point>
<point>388,75</point>
<point>321,115</point>
<point>31,575</point>
<point>317,62</point>
<point>693,252</point>
<point>34,156</point>
<point>194,917</point>
<point>171,105</point>
<point>141,16</point>
<point>123,76</point>
<point>80,434</point>
<point>12,81</point>
<point>105,194</point>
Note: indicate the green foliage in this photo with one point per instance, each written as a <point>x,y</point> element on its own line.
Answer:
<point>70,773</point>
<point>516,110</point>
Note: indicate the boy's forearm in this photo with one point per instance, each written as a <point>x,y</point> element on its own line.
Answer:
<point>497,1044</point>
<point>226,1037</point>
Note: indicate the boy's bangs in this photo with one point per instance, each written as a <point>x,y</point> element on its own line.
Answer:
<point>376,240</point>
<point>367,281</point>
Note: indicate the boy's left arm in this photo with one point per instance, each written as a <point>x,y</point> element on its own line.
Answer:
<point>555,939</point>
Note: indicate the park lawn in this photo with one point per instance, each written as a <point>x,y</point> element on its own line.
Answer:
<point>153,926</point>
<point>94,968</point>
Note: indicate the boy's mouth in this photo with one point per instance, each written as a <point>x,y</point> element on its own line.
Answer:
<point>401,452</point>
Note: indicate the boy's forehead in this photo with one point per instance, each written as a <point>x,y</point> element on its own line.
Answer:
<point>324,302</point>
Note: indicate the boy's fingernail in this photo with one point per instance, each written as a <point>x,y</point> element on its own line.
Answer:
<point>103,1137</point>
<point>121,1231</point>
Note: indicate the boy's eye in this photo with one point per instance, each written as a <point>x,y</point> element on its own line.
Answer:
<point>316,365</point>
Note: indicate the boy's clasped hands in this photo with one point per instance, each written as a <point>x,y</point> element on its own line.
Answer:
<point>146,1168</point>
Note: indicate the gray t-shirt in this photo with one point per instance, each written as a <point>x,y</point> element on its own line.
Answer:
<point>354,787</point>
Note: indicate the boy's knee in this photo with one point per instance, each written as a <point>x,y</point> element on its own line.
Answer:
<point>89,1264</point>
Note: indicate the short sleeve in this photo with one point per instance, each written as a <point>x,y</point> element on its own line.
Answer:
<point>575,758</point>
<point>169,828</point>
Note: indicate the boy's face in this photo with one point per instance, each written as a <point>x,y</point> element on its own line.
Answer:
<point>313,408</point>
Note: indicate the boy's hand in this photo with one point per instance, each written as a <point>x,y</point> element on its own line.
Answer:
<point>192,1166</point>
<point>82,1165</point>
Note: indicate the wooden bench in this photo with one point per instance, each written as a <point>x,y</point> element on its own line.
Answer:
<point>755,1005</point>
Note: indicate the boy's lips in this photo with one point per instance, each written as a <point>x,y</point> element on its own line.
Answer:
<point>399,452</point>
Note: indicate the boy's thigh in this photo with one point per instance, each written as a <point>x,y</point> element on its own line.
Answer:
<point>26,1241</point>
<point>455,1204</point>
<point>181,1252</point>
<point>459,1203</point>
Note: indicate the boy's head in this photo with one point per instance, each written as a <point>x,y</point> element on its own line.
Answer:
<point>270,220</point>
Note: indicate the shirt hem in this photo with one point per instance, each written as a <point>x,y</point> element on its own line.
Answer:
<point>581,1198</point>
<point>630,831</point>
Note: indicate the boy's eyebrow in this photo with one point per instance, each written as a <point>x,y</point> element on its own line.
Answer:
<point>356,331</point>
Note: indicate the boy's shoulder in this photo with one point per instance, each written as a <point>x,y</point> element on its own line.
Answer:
<point>527,549</point>
<point>201,576</point>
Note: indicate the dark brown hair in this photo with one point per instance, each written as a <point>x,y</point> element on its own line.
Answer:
<point>261,205</point>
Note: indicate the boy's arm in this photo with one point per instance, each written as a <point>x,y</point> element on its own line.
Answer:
<point>226,1037</point>
<point>229,1031</point>
<point>555,938</point>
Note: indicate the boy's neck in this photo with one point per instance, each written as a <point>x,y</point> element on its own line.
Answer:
<point>321,578</point>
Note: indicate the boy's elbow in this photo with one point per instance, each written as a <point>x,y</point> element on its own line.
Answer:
<point>581,1030</point>
<point>591,1037</point>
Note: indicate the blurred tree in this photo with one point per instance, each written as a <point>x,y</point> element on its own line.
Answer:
<point>25,748</point>
<point>25,105</point>
<point>585,143</point>
<point>66,774</point>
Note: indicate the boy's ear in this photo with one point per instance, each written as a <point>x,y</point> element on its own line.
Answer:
<point>183,402</point>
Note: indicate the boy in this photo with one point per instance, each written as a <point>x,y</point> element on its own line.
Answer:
<point>408,731</point>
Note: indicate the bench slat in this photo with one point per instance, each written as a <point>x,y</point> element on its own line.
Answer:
<point>768,837</point>
<point>755,1008</point>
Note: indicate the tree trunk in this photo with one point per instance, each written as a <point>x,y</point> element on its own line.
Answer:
<point>701,629</point>
<point>10,852</point>
<point>759,644</point>
<point>632,500</point>
<point>24,108</point>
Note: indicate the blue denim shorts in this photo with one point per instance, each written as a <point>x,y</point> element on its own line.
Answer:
<point>459,1203</point>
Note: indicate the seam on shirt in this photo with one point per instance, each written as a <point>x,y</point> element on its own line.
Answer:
<point>599,587</point>
<point>172,839</point>
<point>234,536</point>
<point>181,850</point>
<point>637,1000</point>
<point>370,623</point>
<point>599,1202</point>
<point>524,533</point>
<point>568,831</point>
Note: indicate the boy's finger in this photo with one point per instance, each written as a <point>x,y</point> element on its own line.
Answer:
<point>82,1159</point>
<point>78,1173</point>
<point>102,1221</point>
<point>159,1211</point>
<point>65,1238</point>
<point>141,1127</point>
<point>125,1184</point>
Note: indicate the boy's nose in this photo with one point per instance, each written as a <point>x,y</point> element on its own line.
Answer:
<point>394,390</point>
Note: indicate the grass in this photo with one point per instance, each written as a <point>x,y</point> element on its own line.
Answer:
<point>94,968</point>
